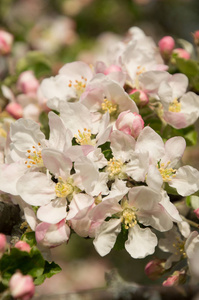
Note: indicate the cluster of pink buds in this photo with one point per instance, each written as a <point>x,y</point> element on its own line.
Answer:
<point>167,47</point>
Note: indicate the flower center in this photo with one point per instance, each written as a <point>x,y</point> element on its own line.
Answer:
<point>109,106</point>
<point>175,106</point>
<point>64,188</point>
<point>114,167</point>
<point>179,247</point>
<point>129,217</point>
<point>34,157</point>
<point>84,138</point>
<point>79,85</point>
<point>167,173</point>
<point>3,133</point>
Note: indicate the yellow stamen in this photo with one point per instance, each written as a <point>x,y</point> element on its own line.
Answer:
<point>64,189</point>
<point>167,173</point>
<point>84,138</point>
<point>114,167</point>
<point>175,106</point>
<point>109,106</point>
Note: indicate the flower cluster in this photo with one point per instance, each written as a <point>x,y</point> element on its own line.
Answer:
<point>105,171</point>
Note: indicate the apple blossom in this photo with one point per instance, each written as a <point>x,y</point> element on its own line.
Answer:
<point>129,123</point>
<point>182,53</point>
<point>196,37</point>
<point>27,83</point>
<point>155,268</point>
<point>23,246</point>
<point>21,286</point>
<point>2,243</point>
<point>166,45</point>
<point>178,277</point>
<point>6,40</point>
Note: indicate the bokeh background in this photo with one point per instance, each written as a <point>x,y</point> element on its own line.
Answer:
<point>69,30</point>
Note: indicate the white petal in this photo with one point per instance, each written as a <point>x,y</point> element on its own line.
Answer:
<point>53,212</point>
<point>122,145</point>
<point>106,236</point>
<point>141,242</point>
<point>186,181</point>
<point>36,189</point>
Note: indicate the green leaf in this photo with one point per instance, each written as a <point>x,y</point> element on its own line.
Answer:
<point>188,67</point>
<point>35,61</point>
<point>29,238</point>
<point>106,150</point>
<point>121,238</point>
<point>192,201</point>
<point>28,263</point>
<point>43,119</point>
<point>189,134</point>
<point>49,270</point>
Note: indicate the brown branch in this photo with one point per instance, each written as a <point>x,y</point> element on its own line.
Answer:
<point>10,218</point>
<point>118,289</point>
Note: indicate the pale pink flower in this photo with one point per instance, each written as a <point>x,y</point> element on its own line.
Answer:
<point>21,286</point>
<point>2,243</point>
<point>23,246</point>
<point>178,277</point>
<point>6,40</point>
<point>182,53</point>
<point>130,123</point>
<point>27,83</point>
<point>166,45</point>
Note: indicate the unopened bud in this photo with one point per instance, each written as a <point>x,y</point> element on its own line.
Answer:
<point>6,40</point>
<point>27,83</point>
<point>178,277</point>
<point>196,37</point>
<point>142,99</point>
<point>155,268</point>
<point>2,243</point>
<point>15,110</point>
<point>21,286</point>
<point>166,46</point>
<point>130,123</point>
<point>23,246</point>
<point>196,211</point>
<point>111,69</point>
<point>182,53</point>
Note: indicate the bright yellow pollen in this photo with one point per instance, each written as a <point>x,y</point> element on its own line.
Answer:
<point>167,173</point>
<point>179,247</point>
<point>79,85</point>
<point>114,167</point>
<point>129,218</point>
<point>3,133</point>
<point>175,106</point>
<point>63,189</point>
<point>109,106</point>
<point>84,138</point>
<point>34,157</point>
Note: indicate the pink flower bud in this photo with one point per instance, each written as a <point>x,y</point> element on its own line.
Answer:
<point>155,268</point>
<point>2,243</point>
<point>27,83</point>
<point>23,246</point>
<point>21,286</point>
<point>130,123</point>
<point>143,98</point>
<point>196,37</point>
<point>6,40</point>
<point>182,53</point>
<point>196,211</point>
<point>178,277</point>
<point>15,110</point>
<point>112,68</point>
<point>166,45</point>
